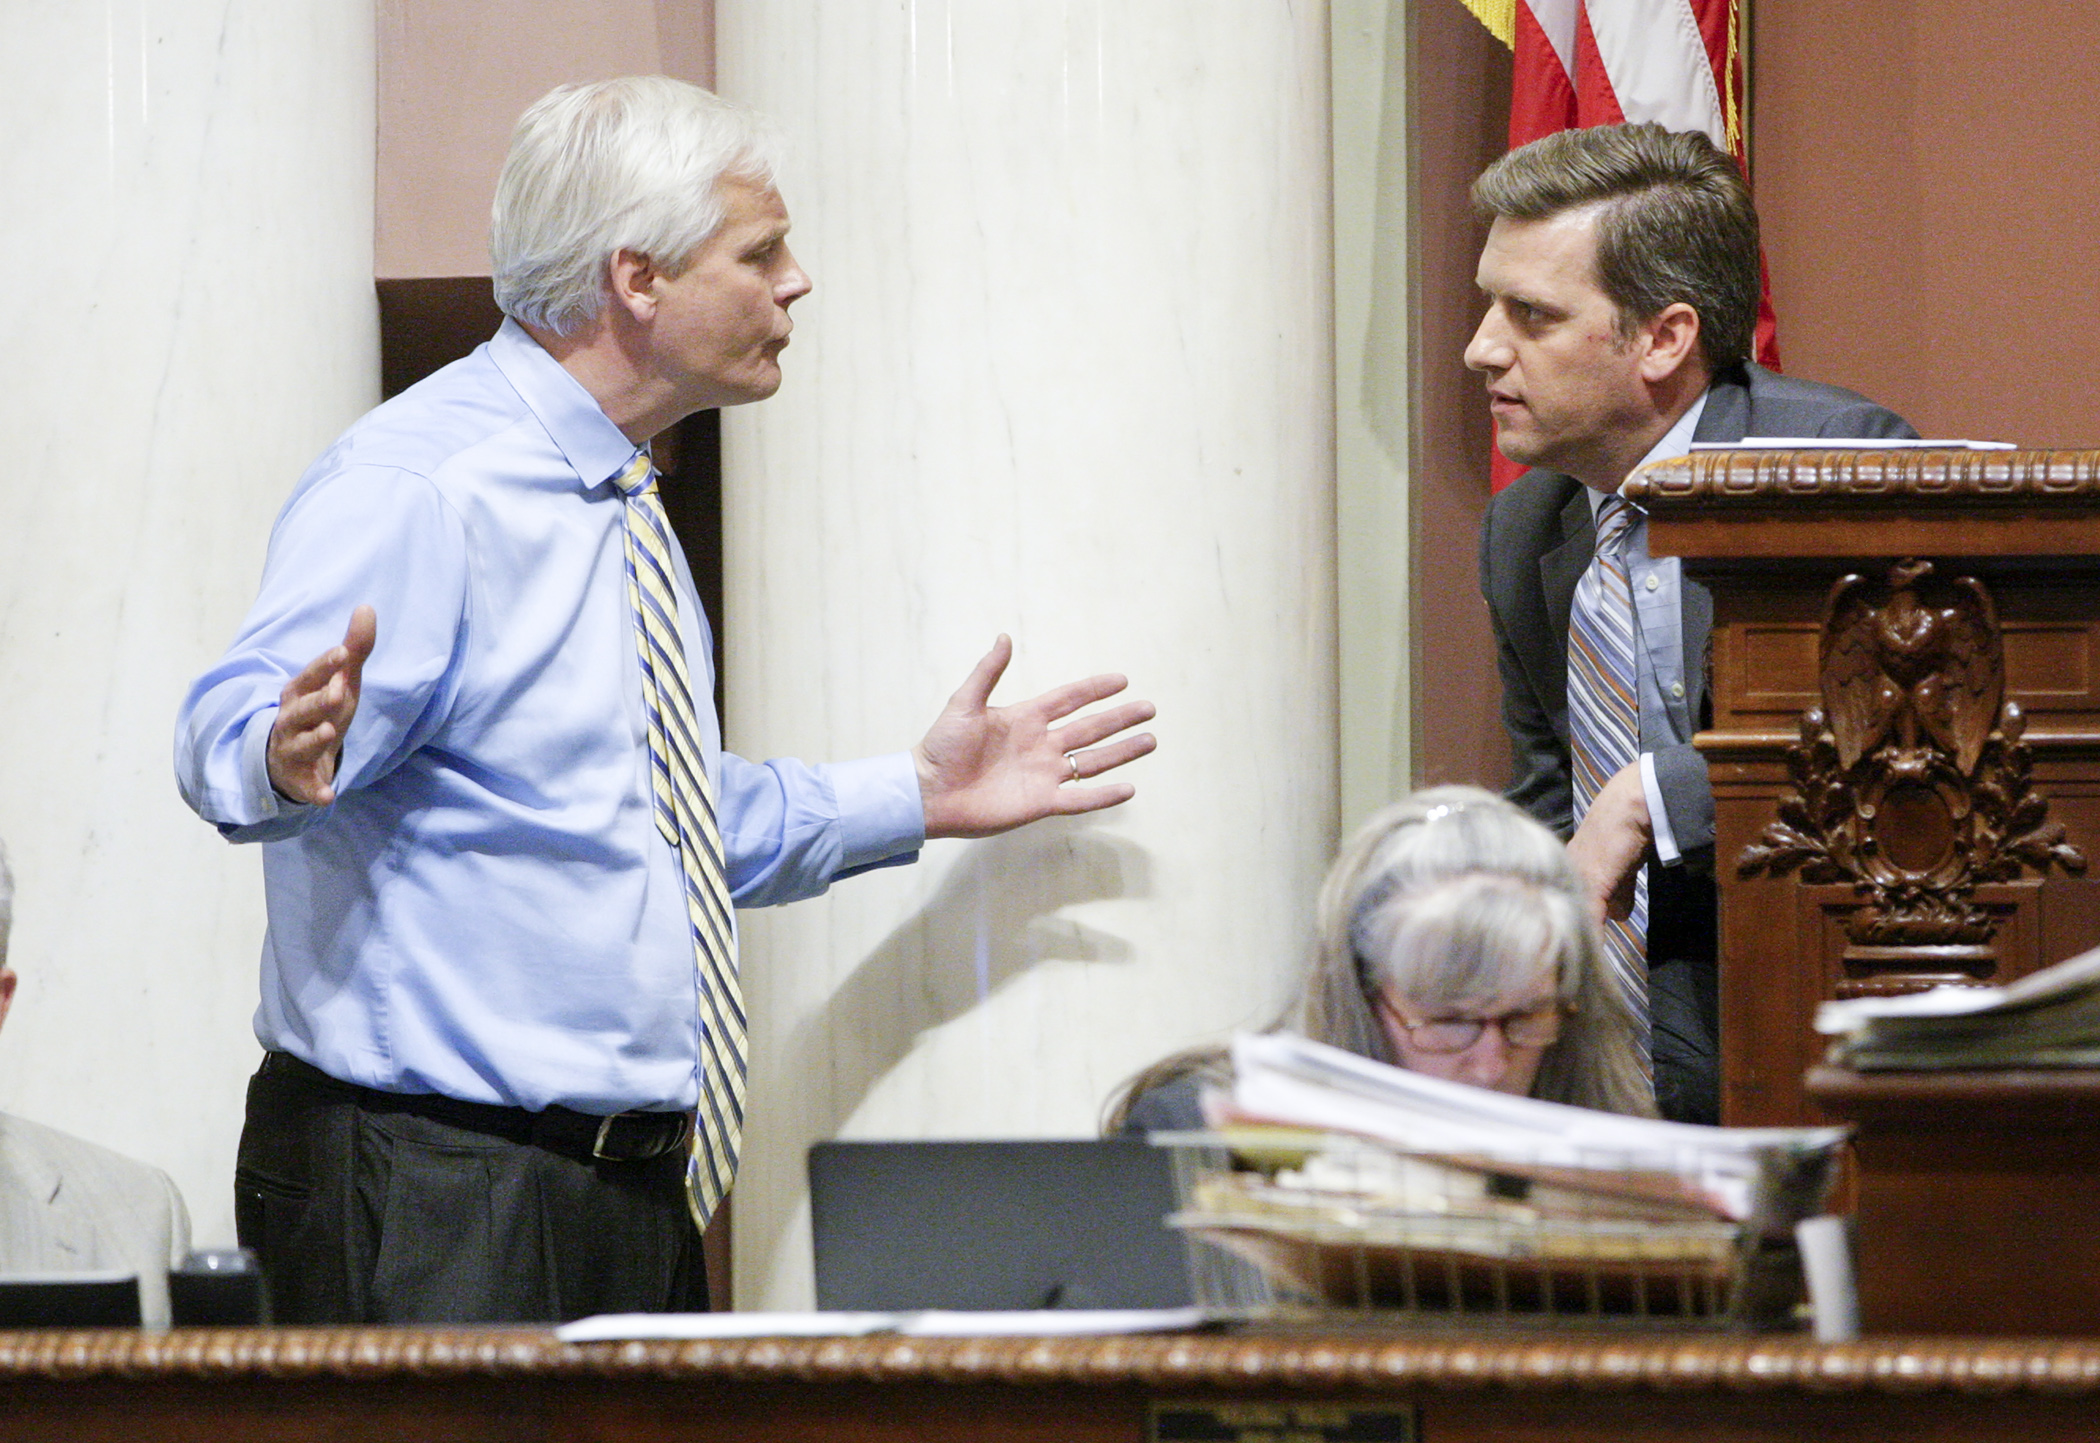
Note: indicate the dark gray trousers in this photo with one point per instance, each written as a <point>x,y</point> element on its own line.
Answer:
<point>368,1207</point>
<point>1684,1002</point>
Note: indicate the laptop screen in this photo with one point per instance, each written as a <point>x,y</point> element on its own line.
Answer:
<point>69,1300</point>
<point>901,1226</point>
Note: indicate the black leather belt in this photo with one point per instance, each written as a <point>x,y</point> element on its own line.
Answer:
<point>622,1137</point>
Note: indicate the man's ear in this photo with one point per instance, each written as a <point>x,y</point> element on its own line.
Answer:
<point>1672,336</point>
<point>634,277</point>
<point>7,990</point>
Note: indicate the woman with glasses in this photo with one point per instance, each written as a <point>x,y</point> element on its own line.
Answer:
<point>1451,938</point>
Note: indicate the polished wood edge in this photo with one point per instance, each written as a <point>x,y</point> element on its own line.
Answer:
<point>1758,745</point>
<point>1330,1362</point>
<point>1843,1088</point>
<point>1924,480</point>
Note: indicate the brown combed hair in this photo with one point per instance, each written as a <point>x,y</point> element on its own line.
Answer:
<point>1674,222</point>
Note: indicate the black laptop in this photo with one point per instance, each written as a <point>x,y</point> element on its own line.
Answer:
<point>974,1226</point>
<point>69,1300</point>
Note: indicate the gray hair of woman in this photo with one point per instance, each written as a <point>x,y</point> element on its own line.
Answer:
<point>1451,901</point>
<point>1448,900</point>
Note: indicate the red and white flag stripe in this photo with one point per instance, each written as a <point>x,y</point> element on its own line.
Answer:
<point>1598,62</point>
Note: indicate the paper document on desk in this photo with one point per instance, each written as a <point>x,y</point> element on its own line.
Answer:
<point>2049,1018</point>
<point>1843,443</point>
<point>1052,1323</point>
<point>1351,1186</point>
<point>1742,1174</point>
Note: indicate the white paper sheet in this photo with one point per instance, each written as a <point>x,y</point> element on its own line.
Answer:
<point>1056,1323</point>
<point>1841,443</point>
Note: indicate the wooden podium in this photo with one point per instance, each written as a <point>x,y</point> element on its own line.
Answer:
<point>1905,742</point>
<point>1976,1212</point>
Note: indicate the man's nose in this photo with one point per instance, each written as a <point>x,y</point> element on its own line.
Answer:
<point>1489,348</point>
<point>794,282</point>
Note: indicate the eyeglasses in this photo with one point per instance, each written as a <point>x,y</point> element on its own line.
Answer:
<point>1534,1027</point>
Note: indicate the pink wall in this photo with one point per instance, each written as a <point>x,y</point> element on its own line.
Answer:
<point>453,77</point>
<point>1925,173</point>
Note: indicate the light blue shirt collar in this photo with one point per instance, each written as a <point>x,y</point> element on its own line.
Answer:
<point>594,446</point>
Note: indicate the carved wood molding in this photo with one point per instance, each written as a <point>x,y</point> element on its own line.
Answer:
<point>1918,481</point>
<point>1359,1361</point>
<point>1911,781</point>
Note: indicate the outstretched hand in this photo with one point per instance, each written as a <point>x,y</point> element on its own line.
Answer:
<point>314,711</point>
<point>1612,842</point>
<point>986,769</point>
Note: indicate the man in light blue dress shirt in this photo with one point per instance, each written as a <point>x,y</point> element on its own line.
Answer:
<point>478,944</point>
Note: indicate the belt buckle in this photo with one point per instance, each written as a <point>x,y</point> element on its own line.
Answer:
<point>660,1145</point>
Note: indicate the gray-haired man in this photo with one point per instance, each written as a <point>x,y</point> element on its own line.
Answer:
<point>486,860</point>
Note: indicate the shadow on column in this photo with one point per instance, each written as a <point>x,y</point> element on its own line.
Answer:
<point>995,916</point>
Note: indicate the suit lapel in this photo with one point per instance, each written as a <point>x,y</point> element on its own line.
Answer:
<point>1561,567</point>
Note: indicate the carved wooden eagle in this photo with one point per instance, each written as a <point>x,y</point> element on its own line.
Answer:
<point>1914,656</point>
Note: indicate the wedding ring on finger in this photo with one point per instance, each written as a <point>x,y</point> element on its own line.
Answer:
<point>1072,760</point>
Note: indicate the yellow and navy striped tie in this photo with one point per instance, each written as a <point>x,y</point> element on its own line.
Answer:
<point>685,814</point>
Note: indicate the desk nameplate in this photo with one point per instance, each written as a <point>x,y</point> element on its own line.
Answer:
<point>1294,1422</point>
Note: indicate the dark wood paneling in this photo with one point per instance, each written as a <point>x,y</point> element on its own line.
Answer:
<point>1999,632</point>
<point>428,323</point>
<point>1458,89</point>
<point>1975,1198</point>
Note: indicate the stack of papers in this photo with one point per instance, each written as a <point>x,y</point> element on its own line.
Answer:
<point>1744,1175</point>
<point>1354,1184</point>
<point>2050,1018</point>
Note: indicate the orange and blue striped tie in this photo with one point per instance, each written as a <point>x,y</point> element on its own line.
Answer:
<point>685,814</point>
<point>1604,723</point>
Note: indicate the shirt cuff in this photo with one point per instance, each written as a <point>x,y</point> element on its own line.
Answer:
<point>881,812</point>
<point>1658,815</point>
<point>265,803</point>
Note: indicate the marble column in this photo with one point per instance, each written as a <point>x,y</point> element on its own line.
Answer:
<point>1066,373</point>
<point>188,241</point>
<point>1374,326</point>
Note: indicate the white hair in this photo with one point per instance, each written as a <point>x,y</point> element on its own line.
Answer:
<point>628,164</point>
<point>1453,898</point>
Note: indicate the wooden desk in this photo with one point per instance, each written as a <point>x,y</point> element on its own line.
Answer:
<point>1905,741</point>
<point>519,1385</point>
<point>1975,1210</point>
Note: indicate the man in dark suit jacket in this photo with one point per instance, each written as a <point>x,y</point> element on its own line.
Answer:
<point>1622,280</point>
